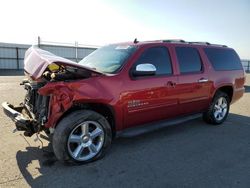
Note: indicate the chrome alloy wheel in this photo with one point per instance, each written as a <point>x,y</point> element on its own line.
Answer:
<point>220,108</point>
<point>85,140</point>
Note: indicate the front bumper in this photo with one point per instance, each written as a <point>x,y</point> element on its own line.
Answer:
<point>15,114</point>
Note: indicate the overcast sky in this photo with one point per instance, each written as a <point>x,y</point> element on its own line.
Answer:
<point>99,22</point>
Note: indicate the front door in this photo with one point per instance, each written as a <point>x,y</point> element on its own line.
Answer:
<point>151,98</point>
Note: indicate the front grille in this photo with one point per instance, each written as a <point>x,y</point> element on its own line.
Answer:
<point>37,105</point>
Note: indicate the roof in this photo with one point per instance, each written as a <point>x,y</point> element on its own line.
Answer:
<point>171,41</point>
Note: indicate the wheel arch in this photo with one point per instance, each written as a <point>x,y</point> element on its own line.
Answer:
<point>228,89</point>
<point>105,110</point>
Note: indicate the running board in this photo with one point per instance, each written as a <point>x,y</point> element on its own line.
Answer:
<point>149,127</point>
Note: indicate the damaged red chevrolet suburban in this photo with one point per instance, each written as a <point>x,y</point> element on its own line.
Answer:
<point>124,89</point>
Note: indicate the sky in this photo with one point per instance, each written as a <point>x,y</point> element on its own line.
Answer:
<point>100,22</point>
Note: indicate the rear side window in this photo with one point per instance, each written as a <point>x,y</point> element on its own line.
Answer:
<point>159,57</point>
<point>189,59</point>
<point>223,59</point>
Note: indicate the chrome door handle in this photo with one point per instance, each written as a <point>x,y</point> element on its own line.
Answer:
<point>202,80</point>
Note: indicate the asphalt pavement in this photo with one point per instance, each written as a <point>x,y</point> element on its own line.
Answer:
<point>191,154</point>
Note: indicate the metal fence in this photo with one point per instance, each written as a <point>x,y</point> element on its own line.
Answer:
<point>12,56</point>
<point>246,65</point>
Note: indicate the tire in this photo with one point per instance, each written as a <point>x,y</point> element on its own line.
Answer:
<point>77,134</point>
<point>215,114</point>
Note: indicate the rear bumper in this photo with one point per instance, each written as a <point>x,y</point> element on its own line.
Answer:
<point>238,93</point>
<point>15,114</point>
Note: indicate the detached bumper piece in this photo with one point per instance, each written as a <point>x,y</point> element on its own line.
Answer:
<point>22,123</point>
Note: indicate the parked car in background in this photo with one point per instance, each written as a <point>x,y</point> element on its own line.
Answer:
<point>124,89</point>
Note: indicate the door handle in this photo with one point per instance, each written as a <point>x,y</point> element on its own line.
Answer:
<point>170,84</point>
<point>202,80</point>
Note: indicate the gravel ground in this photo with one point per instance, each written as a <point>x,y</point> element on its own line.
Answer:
<point>191,154</point>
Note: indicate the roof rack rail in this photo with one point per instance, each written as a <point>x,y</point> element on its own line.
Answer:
<point>187,42</point>
<point>174,40</point>
<point>207,43</point>
<point>220,45</point>
<point>201,43</point>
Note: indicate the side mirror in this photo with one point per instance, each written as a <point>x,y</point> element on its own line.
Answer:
<point>146,69</point>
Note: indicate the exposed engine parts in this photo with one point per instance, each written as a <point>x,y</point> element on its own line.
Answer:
<point>61,73</point>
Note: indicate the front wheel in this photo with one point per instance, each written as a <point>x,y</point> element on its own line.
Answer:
<point>218,109</point>
<point>81,137</point>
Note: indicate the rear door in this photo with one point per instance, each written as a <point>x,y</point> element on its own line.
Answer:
<point>193,84</point>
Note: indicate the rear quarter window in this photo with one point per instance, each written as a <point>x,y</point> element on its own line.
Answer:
<point>223,59</point>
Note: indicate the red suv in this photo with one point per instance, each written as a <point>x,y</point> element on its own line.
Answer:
<point>124,89</point>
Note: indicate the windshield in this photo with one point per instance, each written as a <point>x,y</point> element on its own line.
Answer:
<point>108,59</point>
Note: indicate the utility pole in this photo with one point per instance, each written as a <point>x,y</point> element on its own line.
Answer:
<point>38,41</point>
<point>76,55</point>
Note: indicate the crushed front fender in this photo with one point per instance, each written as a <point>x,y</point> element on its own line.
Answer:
<point>61,99</point>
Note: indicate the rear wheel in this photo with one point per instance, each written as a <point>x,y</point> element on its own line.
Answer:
<point>82,137</point>
<point>218,109</point>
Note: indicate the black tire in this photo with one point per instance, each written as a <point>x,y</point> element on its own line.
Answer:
<point>68,124</point>
<point>209,116</point>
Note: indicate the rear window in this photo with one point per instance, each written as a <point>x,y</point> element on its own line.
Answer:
<point>189,59</point>
<point>223,59</point>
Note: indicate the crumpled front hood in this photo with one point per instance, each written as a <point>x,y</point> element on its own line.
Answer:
<point>37,60</point>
